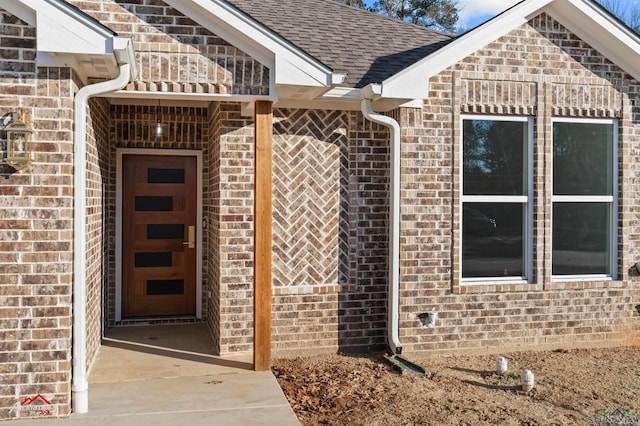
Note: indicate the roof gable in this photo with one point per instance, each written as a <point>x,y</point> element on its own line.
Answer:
<point>584,18</point>
<point>66,36</point>
<point>289,64</point>
<point>66,29</point>
<point>365,46</point>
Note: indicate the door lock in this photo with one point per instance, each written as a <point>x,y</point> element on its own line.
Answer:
<point>192,238</point>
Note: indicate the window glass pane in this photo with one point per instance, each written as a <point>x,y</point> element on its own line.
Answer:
<point>165,175</point>
<point>495,157</point>
<point>493,240</point>
<point>165,232</point>
<point>165,287</point>
<point>153,260</point>
<point>154,204</point>
<point>581,236</point>
<point>582,159</point>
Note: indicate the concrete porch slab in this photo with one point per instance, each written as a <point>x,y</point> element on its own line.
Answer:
<point>166,375</point>
<point>161,352</point>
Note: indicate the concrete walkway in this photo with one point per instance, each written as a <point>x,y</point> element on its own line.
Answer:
<point>166,375</point>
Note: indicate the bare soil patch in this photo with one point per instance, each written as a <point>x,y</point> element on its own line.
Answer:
<point>572,387</point>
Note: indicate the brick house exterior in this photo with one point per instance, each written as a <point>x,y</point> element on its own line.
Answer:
<point>203,73</point>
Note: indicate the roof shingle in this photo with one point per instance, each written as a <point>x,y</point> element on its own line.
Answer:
<point>366,46</point>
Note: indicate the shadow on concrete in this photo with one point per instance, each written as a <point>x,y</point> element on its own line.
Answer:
<point>175,353</point>
<point>159,347</point>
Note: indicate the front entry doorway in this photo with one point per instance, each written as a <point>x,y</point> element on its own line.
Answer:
<point>159,246</point>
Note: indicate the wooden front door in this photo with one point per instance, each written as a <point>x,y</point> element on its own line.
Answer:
<point>159,205</point>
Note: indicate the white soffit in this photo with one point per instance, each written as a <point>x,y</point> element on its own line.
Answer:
<point>67,37</point>
<point>289,64</point>
<point>582,17</point>
<point>62,28</point>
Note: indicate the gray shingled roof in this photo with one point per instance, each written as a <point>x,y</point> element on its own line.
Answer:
<point>368,47</point>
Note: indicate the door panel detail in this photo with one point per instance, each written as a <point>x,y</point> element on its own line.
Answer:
<point>165,176</point>
<point>154,204</point>
<point>165,232</point>
<point>153,260</point>
<point>159,204</point>
<point>165,287</point>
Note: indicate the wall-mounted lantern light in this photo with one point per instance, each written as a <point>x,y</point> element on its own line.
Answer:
<point>18,139</point>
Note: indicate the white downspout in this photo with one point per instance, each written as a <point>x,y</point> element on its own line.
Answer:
<point>393,300</point>
<point>80,385</point>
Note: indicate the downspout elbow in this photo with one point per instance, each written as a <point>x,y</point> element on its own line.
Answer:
<point>393,299</point>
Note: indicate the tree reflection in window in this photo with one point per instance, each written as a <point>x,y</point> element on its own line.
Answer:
<point>495,198</point>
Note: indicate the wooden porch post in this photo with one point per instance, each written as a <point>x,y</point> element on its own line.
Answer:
<point>262,242</point>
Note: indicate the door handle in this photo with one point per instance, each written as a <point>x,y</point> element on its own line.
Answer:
<point>192,238</point>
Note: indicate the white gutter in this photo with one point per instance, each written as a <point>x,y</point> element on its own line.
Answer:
<point>80,385</point>
<point>393,300</point>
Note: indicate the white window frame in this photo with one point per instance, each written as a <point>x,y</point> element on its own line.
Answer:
<point>611,199</point>
<point>528,200</point>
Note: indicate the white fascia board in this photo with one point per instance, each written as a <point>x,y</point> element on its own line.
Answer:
<point>371,91</point>
<point>191,97</point>
<point>63,32</point>
<point>62,29</point>
<point>290,64</point>
<point>222,23</point>
<point>344,95</point>
<point>124,53</point>
<point>347,93</point>
<point>22,11</point>
<point>601,31</point>
<point>582,17</point>
<point>347,98</point>
<point>122,49</point>
<point>413,82</point>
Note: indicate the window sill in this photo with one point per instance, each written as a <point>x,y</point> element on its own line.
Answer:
<point>475,287</point>
<point>493,281</point>
<point>584,283</point>
<point>521,287</point>
<point>572,278</point>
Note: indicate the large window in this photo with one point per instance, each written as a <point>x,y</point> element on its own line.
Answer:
<point>496,201</point>
<point>584,197</point>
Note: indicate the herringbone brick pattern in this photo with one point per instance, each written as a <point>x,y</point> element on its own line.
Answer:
<point>329,168</point>
<point>309,149</point>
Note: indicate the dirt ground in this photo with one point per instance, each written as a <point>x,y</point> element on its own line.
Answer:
<point>571,388</point>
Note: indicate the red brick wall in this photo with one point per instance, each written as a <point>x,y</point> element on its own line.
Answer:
<point>235,224</point>
<point>36,227</point>
<point>174,54</point>
<point>329,293</point>
<point>211,212</point>
<point>97,249</point>
<point>331,173</point>
<point>540,70</point>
